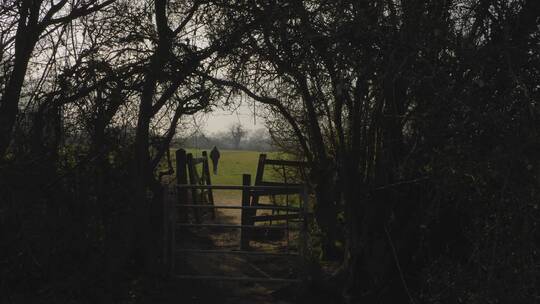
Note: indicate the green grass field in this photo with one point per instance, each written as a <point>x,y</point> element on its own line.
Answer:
<point>232,165</point>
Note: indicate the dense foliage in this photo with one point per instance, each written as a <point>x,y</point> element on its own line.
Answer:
<point>419,120</point>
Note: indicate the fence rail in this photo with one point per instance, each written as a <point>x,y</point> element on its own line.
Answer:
<point>258,207</point>
<point>238,252</point>
<point>236,279</point>
<point>298,188</point>
<point>230,226</point>
<point>188,182</point>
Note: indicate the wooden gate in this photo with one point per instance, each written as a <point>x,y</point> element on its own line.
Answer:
<point>187,168</point>
<point>249,225</point>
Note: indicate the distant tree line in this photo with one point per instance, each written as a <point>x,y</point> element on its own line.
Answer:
<point>254,140</point>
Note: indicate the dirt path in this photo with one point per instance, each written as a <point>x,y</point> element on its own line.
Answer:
<point>231,265</point>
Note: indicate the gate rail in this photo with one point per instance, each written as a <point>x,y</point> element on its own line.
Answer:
<point>248,211</point>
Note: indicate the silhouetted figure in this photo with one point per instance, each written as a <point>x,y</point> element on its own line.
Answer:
<point>214,156</point>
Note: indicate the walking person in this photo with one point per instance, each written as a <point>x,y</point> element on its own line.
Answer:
<point>214,156</point>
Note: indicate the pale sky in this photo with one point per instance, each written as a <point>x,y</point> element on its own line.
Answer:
<point>220,120</point>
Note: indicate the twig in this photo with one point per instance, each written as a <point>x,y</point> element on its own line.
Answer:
<point>412,181</point>
<point>398,266</point>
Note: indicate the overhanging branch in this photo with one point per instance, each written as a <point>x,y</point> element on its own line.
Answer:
<point>274,102</point>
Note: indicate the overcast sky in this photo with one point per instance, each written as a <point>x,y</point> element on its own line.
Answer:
<point>220,120</point>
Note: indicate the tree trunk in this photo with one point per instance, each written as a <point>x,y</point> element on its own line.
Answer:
<point>141,183</point>
<point>26,37</point>
<point>326,210</point>
<point>9,105</point>
<point>373,256</point>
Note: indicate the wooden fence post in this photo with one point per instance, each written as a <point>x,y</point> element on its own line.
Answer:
<point>244,232</point>
<point>207,180</point>
<point>193,181</point>
<point>181,179</point>
<point>260,168</point>
<point>304,230</point>
<point>258,180</point>
<point>166,217</point>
